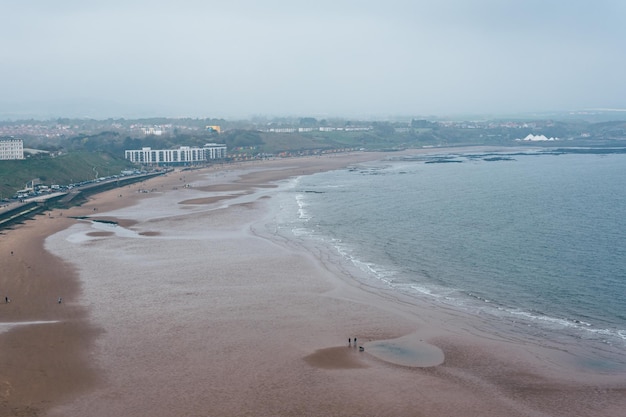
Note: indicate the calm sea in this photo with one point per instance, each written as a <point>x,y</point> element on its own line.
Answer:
<point>536,240</point>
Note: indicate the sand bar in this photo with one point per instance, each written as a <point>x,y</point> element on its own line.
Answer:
<point>190,305</point>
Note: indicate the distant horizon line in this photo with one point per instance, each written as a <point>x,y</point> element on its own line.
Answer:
<point>9,116</point>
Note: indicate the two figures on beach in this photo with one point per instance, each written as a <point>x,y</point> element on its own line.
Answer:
<point>350,341</point>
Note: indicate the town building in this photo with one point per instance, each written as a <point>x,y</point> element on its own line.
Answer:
<point>152,131</point>
<point>181,156</point>
<point>11,149</point>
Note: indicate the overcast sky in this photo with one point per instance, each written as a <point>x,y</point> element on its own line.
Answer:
<point>322,58</point>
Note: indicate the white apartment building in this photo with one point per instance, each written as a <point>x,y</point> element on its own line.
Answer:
<point>182,155</point>
<point>11,149</point>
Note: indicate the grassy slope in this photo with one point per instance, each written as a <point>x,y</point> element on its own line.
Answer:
<point>64,169</point>
<point>278,142</point>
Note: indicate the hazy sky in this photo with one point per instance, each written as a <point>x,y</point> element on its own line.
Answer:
<point>324,58</point>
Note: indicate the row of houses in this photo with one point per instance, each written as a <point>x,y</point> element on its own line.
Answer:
<point>182,155</point>
<point>315,129</point>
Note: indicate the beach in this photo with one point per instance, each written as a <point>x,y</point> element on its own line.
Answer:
<point>181,300</point>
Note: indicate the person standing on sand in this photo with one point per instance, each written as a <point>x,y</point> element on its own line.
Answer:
<point>6,299</point>
<point>349,342</point>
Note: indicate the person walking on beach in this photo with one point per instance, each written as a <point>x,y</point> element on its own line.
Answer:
<point>6,299</point>
<point>349,342</point>
<point>60,300</point>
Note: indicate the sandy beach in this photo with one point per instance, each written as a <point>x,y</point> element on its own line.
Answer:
<point>191,304</point>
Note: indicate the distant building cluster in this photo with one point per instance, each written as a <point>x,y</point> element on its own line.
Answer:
<point>166,129</point>
<point>182,155</point>
<point>314,129</point>
<point>39,129</point>
<point>11,149</point>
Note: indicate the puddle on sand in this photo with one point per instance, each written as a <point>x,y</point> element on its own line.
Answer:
<point>406,351</point>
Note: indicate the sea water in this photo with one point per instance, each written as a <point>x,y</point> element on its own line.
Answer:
<point>533,239</point>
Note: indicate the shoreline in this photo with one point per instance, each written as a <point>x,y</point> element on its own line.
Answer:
<point>234,212</point>
<point>460,326</point>
<point>560,351</point>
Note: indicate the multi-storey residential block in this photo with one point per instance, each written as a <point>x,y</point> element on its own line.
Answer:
<point>11,149</point>
<point>182,155</point>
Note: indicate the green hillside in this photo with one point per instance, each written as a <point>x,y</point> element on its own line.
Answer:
<point>64,169</point>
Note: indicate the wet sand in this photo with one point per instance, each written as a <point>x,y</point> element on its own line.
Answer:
<point>191,305</point>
